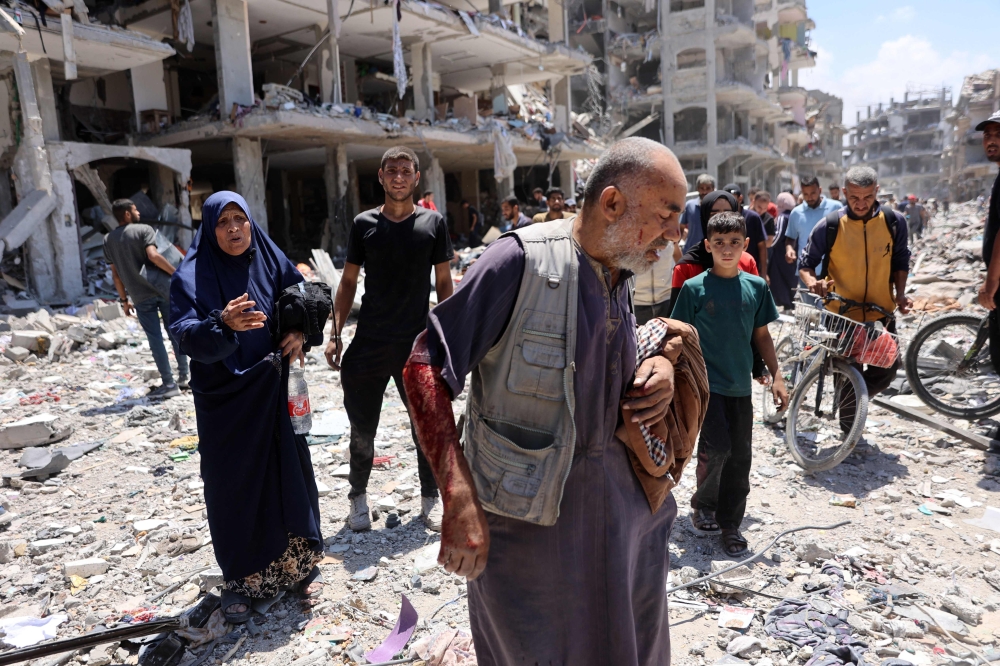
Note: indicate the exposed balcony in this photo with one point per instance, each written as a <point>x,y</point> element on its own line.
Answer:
<point>792,11</point>
<point>733,31</point>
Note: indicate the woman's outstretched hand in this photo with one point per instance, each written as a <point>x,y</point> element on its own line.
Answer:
<point>238,316</point>
<point>291,346</point>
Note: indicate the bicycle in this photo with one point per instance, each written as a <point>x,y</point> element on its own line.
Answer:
<point>828,402</point>
<point>949,367</point>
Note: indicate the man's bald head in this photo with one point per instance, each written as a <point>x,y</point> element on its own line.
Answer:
<point>628,163</point>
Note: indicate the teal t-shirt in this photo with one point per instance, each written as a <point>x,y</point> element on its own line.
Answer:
<point>726,311</point>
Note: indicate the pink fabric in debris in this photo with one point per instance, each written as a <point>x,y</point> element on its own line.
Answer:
<point>447,648</point>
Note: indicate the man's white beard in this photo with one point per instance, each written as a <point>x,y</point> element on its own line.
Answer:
<point>618,249</point>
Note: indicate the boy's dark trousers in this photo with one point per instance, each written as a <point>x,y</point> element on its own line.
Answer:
<point>725,453</point>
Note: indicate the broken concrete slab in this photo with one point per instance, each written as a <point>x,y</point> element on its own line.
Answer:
<point>950,622</point>
<point>86,568</point>
<point>16,354</point>
<point>32,431</point>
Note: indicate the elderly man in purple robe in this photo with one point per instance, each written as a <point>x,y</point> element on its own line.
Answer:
<point>543,513</point>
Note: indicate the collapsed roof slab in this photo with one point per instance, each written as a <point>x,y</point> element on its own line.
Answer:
<point>99,49</point>
<point>310,130</point>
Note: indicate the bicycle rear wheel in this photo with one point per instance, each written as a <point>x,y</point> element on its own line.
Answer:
<point>827,415</point>
<point>940,375</point>
<point>786,352</point>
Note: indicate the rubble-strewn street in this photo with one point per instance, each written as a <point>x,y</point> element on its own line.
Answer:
<point>117,534</point>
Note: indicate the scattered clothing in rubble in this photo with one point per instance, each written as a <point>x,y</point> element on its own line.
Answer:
<point>828,654</point>
<point>259,483</point>
<point>796,621</point>
<point>452,647</point>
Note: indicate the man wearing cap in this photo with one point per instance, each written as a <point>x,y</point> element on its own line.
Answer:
<point>991,254</point>
<point>755,231</point>
<point>805,216</point>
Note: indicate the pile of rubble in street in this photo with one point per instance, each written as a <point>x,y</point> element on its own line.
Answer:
<point>946,269</point>
<point>103,523</point>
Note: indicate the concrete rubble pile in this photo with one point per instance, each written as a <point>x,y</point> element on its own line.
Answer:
<point>946,265</point>
<point>109,525</point>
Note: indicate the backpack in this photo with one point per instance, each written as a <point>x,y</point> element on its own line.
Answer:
<point>832,221</point>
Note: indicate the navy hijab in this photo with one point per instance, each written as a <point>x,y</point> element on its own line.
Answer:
<point>259,483</point>
<point>700,254</point>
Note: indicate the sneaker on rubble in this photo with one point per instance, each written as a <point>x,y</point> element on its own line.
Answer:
<point>360,518</point>
<point>182,383</point>
<point>164,391</point>
<point>431,512</point>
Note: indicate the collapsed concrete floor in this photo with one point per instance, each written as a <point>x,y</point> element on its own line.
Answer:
<point>100,540</point>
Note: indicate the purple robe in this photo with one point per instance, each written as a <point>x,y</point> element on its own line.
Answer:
<point>591,588</point>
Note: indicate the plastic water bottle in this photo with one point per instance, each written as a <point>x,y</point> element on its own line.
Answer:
<point>298,401</point>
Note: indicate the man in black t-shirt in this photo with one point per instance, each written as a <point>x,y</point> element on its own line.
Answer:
<point>398,244</point>
<point>991,249</point>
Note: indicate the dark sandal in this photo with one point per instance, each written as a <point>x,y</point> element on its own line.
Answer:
<point>314,576</point>
<point>703,521</point>
<point>734,544</point>
<point>230,598</point>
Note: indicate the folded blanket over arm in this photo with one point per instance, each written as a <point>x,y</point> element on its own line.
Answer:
<point>659,452</point>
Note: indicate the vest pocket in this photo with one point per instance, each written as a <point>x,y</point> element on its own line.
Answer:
<point>508,475</point>
<point>539,358</point>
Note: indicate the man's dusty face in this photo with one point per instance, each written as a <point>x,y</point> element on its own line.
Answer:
<point>509,212</point>
<point>861,199</point>
<point>760,205</point>
<point>811,194</point>
<point>835,193</point>
<point>399,178</point>
<point>651,219</point>
<point>991,142</point>
<point>556,202</point>
<point>704,189</point>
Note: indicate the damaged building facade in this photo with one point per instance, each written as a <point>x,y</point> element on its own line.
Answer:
<point>732,105</point>
<point>58,74</point>
<point>967,171</point>
<point>904,142</point>
<point>291,104</point>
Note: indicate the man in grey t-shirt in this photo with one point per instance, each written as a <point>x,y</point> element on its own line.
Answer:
<point>128,249</point>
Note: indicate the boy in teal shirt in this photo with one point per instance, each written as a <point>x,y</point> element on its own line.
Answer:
<point>729,308</point>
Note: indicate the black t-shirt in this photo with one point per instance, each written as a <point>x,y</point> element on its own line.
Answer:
<point>397,257</point>
<point>992,223</point>
<point>768,220</point>
<point>755,232</point>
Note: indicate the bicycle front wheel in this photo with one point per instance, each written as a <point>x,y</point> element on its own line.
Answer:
<point>786,350</point>
<point>827,415</point>
<point>949,373</point>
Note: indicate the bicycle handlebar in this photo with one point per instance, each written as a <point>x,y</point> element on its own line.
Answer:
<point>847,303</point>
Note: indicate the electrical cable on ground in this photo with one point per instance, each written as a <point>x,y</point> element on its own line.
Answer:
<point>753,557</point>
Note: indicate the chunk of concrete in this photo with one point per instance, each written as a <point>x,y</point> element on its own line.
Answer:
<point>322,489</point>
<point>108,311</point>
<point>11,548</point>
<point>211,578</point>
<point>32,431</point>
<point>36,341</point>
<point>147,525</point>
<point>45,545</point>
<point>85,568</point>
<point>16,354</point>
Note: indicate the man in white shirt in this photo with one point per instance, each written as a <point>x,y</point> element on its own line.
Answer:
<point>652,289</point>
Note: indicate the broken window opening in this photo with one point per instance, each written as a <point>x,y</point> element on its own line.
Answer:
<point>684,5</point>
<point>691,124</point>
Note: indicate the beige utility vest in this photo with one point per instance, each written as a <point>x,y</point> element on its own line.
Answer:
<point>519,431</point>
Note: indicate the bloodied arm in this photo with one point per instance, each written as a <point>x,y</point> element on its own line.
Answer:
<point>461,331</point>
<point>465,536</point>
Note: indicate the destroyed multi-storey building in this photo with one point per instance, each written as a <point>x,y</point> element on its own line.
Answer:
<point>967,171</point>
<point>65,103</point>
<point>291,104</point>
<point>823,156</point>
<point>717,80</point>
<point>904,142</point>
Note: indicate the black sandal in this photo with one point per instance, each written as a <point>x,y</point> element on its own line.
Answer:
<point>703,521</point>
<point>230,598</point>
<point>734,544</point>
<point>314,576</point>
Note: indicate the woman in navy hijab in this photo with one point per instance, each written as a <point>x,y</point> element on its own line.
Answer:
<point>260,492</point>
